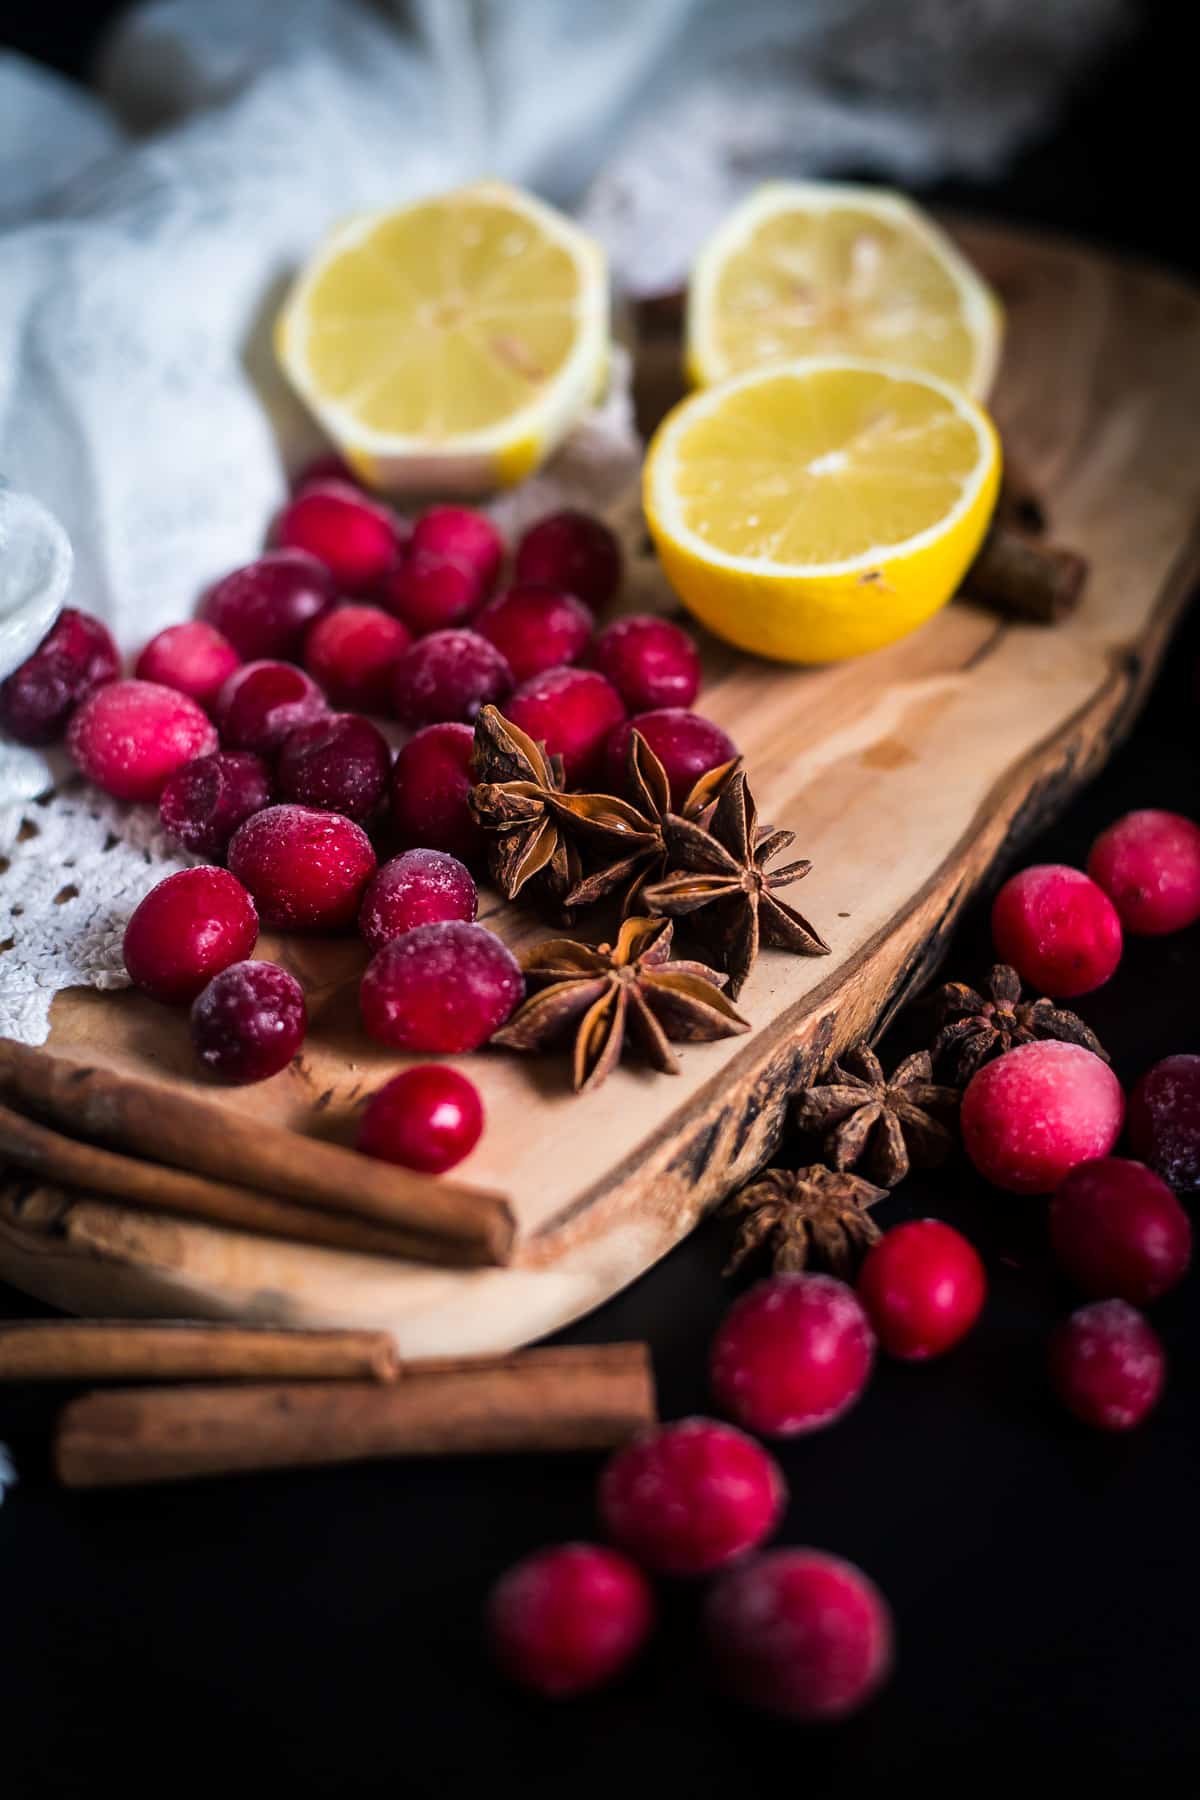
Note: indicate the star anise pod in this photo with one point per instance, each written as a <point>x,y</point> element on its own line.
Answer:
<point>718,869</point>
<point>804,1217</point>
<point>884,1122</point>
<point>973,1029</point>
<point>610,994</point>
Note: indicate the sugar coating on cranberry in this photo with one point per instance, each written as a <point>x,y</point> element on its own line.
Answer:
<point>352,653</point>
<point>1164,1120</point>
<point>249,1022</point>
<point>420,887</point>
<point>1107,1365</point>
<point>1148,863</point>
<point>923,1286</point>
<point>1031,1115</point>
<point>431,779</point>
<point>431,592</point>
<point>792,1355</point>
<point>205,801</point>
<point>441,988</point>
<point>536,628</point>
<point>306,869</point>
<point>571,712</point>
<point>340,762</point>
<point>652,662</point>
<point>427,1118</point>
<point>686,744</point>
<point>448,676</point>
<point>357,540</point>
<point>568,1619</point>
<point>1058,929</point>
<point>129,737</point>
<point>571,550</point>
<point>262,702</point>
<point>266,607</point>
<point>186,930</point>
<point>193,657</point>
<point>76,656</point>
<point>1118,1231</point>
<point>690,1497</point>
<point>800,1634</point>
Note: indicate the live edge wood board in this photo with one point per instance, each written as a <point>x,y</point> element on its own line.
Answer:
<point>908,776</point>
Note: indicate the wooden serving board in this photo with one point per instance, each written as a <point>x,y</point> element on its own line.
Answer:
<point>905,775</point>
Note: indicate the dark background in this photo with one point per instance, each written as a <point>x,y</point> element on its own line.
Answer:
<point>318,1633</point>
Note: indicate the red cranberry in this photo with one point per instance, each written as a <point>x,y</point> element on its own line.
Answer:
<point>266,607</point>
<point>1148,864</point>
<point>328,466</point>
<point>1058,929</point>
<point>568,1619</point>
<point>1117,1229</point>
<point>429,592</point>
<point>441,988</point>
<point>352,653</point>
<point>431,779</point>
<point>466,536</point>
<point>427,1118</point>
<point>800,1634</point>
<point>357,540</point>
<point>688,1498</point>
<point>447,676</point>
<point>206,800</point>
<point>571,711</point>
<point>1164,1120</point>
<point>306,869</point>
<point>418,888</point>
<point>261,702</point>
<point>249,1022</point>
<point>651,662</point>
<point>792,1355</point>
<point>130,736</point>
<point>923,1286</point>
<point>76,656</point>
<point>339,763</point>
<point>686,744</point>
<point>536,628</point>
<point>186,930</point>
<point>193,657</point>
<point>1031,1115</point>
<point>574,551</point>
<point>1107,1365</point>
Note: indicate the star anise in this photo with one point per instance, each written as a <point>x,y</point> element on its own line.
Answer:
<point>718,869</point>
<point>806,1216</point>
<point>973,1029</point>
<point>608,994</point>
<point>885,1122</point>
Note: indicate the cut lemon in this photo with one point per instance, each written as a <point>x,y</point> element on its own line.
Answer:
<point>816,511</point>
<point>820,269</point>
<point>449,345</point>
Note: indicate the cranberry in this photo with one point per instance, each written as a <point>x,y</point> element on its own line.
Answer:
<point>206,800</point>
<point>328,466</point>
<point>1164,1120</point>
<point>76,656</point>
<point>571,712</point>
<point>651,662</point>
<point>193,657</point>
<point>187,929</point>
<point>469,537</point>
<point>427,1118</point>
<point>1107,1365</point>
<point>536,628</point>
<point>249,1022</point>
<point>1031,1115</point>
<point>352,653</point>
<point>356,540</point>
<point>418,888</point>
<point>923,1286</point>
<point>574,551</point>
<point>339,763</point>
<point>800,1634</point>
<point>130,736</point>
<point>1117,1229</point>
<point>306,869</point>
<point>792,1355</point>
<point>568,1619</point>
<point>443,987</point>
<point>1058,929</point>
<point>261,702</point>
<point>686,744</point>
<point>447,676</point>
<point>1148,864</point>
<point>431,779</point>
<point>688,1498</point>
<point>431,592</point>
<point>266,607</point>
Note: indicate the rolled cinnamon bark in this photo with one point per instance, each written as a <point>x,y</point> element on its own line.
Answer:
<point>133,1350</point>
<point>1036,583</point>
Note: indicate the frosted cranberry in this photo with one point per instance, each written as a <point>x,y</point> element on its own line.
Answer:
<point>356,540</point>
<point>329,466</point>
<point>419,888</point>
<point>193,657</point>
<point>340,763</point>
<point>923,1286</point>
<point>800,1634</point>
<point>76,656</point>
<point>352,653</point>
<point>266,607</point>
<point>448,676</point>
<point>1031,1115</point>
<point>568,1619</point>
<point>574,551</point>
<point>249,1022</point>
<point>306,869</point>
<point>689,1497</point>
<point>792,1355</point>
<point>261,702</point>
<point>1107,1365</point>
<point>130,736</point>
<point>1117,1229</point>
<point>572,712</point>
<point>429,592</point>
<point>206,800</point>
<point>651,662</point>
<point>460,532</point>
<point>441,988</point>
<point>187,929</point>
<point>686,744</point>
<point>1058,929</point>
<point>1148,863</point>
<point>431,779</point>
<point>427,1118</point>
<point>536,628</point>
<point>1164,1120</point>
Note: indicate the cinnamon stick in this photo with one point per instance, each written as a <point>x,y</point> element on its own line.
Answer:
<point>132,1350</point>
<point>1038,584</point>
<point>1019,506</point>
<point>593,1397</point>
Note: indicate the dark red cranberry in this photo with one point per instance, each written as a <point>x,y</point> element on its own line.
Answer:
<point>1107,1365</point>
<point>266,608</point>
<point>923,1286</point>
<point>249,1022</point>
<point>339,763</point>
<point>1057,928</point>
<point>352,653</point>
<point>686,744</point>
<point>431,779</point>
<point>441,988</point>
<point>1164,1120</point>
<point>1118,1230</point>
<point>206,800</point>
<point>572,550</point>
<point>427,1118</point>
<point>129,737</point>
<point>76,656</point>
<point>357,540</point>
<point>1028,1117</point>
<point>193,657</point>
<point>262,702</point>
<point>187,929</point>
<point>572,712</point>
<point>428,592</point>
<point>1148,863</point>
<point>689,1497</point>
<point>418,888</point>
<point>328,466</point>
<point>468,537</point>
<point>792,1355</point>
<point>306,869</point>
<point>536,628</point>
<point>568,1619</point>
<point>651,662</point>
<point>448,676</point>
